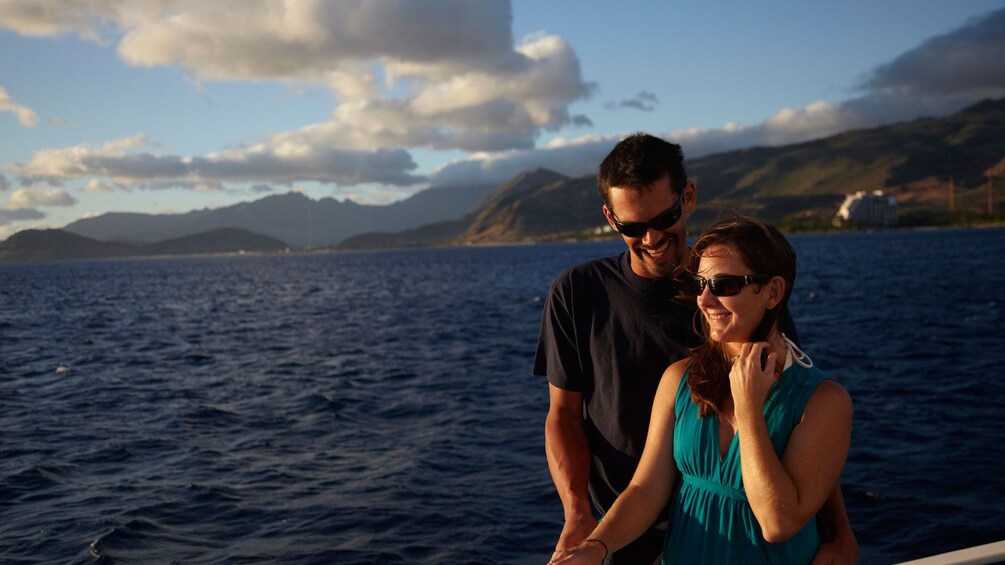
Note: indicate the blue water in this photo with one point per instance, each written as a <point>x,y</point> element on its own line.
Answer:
<point>378,406</point>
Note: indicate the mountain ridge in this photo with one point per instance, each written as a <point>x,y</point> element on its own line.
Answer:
<point>291,217</point>
<point>58,245</point>
<point>802,185</point>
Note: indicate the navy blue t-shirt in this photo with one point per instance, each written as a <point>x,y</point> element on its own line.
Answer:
<point>610,334</point>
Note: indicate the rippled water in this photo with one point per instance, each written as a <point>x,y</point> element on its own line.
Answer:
<point>378,406</point>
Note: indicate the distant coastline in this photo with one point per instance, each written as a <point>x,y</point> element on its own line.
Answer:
<point>28,255</point>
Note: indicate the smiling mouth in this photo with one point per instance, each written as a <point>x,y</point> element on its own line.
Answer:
<point>658,251</point>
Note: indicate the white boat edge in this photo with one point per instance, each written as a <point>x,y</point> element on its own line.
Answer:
<point>977,555</point>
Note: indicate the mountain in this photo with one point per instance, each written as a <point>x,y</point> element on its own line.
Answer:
<point>224,240</point>
<point>799,185</point>
<point>55,245</point>
<point>290,217</point>
<point>919,162</point>
<point>533,206</point>
<point>914,161</point>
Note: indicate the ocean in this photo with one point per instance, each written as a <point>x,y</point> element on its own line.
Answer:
<point>365,407</point>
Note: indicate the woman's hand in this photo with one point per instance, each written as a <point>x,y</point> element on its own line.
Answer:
<point>748,381</point>
<point>589,552</point>
<point>574,532</point>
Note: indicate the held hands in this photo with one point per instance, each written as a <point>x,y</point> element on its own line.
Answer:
<point>588,552</point>
<point>573,533</point>
<point>748,381</point>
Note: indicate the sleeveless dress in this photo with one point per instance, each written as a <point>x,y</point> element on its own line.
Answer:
<point>710,520</point>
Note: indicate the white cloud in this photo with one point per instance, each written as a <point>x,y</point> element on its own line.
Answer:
<point>48,17</point>
<point>571,158</point>
<point>96,185</point>
<point>443,74</point>
<point>305,39</point>
<point>942,75</point>
<point>75,161</point>
<point>435,74</point>
<point>284,159</point>
<point>24,114</point>
<point>34,197</point>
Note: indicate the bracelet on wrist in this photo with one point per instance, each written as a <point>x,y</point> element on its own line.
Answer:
<point>602,544</point>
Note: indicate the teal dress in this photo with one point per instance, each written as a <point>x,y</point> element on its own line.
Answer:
<point>710,519</point>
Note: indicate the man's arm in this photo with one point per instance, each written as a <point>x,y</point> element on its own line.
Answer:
<point>642,502</point>
<point>840,545</point>
<point>568,452</point>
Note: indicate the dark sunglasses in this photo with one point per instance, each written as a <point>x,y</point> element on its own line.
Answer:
<point>721,285</point>
<point>663,221</point>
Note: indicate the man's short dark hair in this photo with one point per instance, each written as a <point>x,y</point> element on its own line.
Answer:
<point>638,161</point>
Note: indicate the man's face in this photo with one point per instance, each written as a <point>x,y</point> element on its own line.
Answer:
<point>657,253</point>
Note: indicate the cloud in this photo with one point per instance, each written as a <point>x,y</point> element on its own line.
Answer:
<point>8,216</point>
<point>284,159</point>
<point>34,197</point>
<point>571,158</point>
<point>70,162</point>
<point>942,75</point>
<point>24,114</point>
<point>967,60</point>
<point>645,101</point>
<point>96,185</point>
<point>4,183</point>
<point>434,74</point>
<point>441,74</point>
<point>304,40</point>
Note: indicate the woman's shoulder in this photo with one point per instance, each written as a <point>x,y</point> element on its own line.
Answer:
<point>828,395</point>
<point>672,377</point>
<point>832,390</point>
<point>677,370</point>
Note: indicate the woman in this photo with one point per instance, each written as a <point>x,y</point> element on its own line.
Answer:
<point>747,390</point>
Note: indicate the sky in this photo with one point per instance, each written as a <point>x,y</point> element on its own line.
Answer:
<point>175,105</point>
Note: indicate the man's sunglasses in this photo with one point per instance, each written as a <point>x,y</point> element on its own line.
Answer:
<point>721,285</point>
<point>663,221</point>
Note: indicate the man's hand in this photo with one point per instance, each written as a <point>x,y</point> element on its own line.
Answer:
<point>574,532</point>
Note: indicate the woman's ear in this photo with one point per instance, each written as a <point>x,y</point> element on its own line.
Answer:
<point>776,291</point>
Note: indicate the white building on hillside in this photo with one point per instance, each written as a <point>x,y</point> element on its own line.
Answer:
<point>865,209</point>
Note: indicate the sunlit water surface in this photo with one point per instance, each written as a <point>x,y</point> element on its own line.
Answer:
<point>379,407</point>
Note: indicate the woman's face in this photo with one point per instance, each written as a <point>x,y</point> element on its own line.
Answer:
<point>731,319</point>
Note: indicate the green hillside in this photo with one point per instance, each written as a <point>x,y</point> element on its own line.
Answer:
<point>796,186</point>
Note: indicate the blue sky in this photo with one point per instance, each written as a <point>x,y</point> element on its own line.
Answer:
<point>169,106</point>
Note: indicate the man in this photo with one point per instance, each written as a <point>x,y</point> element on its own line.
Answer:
<point>610,328</point>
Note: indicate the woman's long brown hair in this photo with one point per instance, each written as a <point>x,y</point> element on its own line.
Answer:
<point>764,250</point>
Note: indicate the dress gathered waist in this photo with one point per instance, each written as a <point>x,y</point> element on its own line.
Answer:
<point>714,487</point>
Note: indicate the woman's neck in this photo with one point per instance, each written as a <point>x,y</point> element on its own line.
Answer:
<point>776,344</point>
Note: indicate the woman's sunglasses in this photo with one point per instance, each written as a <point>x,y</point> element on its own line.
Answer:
<point>721,285</point>
<point>663,221</point>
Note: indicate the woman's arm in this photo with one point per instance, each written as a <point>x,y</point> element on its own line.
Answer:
<point>785,493</point>
<point>639,506</point>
